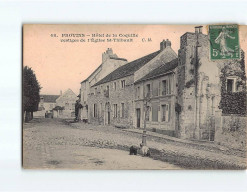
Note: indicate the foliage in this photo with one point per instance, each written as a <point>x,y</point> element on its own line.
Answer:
<point>189,83</point>
<point>58,108</point>
<point>233,103</point>
<point>31,89</point>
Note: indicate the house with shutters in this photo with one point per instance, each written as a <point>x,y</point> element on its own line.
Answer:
<point>156,98</point>
<point>112,99</point>
<point>110,62</point>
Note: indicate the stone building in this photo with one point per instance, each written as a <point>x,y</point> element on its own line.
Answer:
<point>110,62</point>
<point>188,96</point>
<point>46,105</point>
<point>66,101</point>
<point>202,84</point>
<point>111,100</point>
<point>156,93</point>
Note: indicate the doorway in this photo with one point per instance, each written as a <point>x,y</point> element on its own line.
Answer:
<point>138,116</point>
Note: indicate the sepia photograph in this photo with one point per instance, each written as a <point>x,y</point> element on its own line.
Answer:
<point>134,97</point>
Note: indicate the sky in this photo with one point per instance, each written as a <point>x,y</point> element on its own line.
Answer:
<point>60,65</point>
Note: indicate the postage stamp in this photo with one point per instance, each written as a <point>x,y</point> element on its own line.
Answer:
<point>224,42</point>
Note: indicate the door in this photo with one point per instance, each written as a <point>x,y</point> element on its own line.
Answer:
<point>108,113</point>
<point>138,116</point>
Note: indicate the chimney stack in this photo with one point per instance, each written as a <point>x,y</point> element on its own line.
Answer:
<point>162,45</point>
<point>168,43</point>
<point>198,29</point>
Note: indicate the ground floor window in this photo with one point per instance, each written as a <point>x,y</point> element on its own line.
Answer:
<point>95,110</point>
<point>165,112</point>
<point>155,110</point>
<point>115,110</point>
<point>122,110</point>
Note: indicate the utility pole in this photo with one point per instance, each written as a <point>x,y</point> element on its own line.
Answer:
<point>198,30</point>
<point>144,134</point>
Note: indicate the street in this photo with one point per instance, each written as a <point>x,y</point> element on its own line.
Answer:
<point>53,144</point>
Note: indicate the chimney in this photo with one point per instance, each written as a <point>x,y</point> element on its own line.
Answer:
<point>162,45</point>
<point>61,92</point>
<point>168,43</point>
<point>106,55</point>
<point>198,29</point>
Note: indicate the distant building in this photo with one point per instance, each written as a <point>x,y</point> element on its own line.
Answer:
<point>65,105</point>
<point>46,105</point>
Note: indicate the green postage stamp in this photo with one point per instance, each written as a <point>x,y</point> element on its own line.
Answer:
<point>224,42</point>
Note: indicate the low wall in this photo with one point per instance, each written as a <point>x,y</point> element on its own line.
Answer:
<point>231,131</point>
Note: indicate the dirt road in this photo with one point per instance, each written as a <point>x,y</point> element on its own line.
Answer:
<point>49,143</point>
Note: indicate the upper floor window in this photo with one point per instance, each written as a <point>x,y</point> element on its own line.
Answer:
<point>115,86</point>
<point>123,83</point>
<point>155,88</point>
<point>166,87</point>
<point>148,89</point>
<point>138,92</point>
<point>231,84</point>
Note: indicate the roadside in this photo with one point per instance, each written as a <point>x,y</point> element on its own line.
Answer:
<point>52,144</point>
<point>185,153</point>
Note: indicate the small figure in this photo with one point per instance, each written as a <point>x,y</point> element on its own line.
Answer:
<point>133,150</point>
<point>145,150</point>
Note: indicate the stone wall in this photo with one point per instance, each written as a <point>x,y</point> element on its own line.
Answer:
<point>104,104</point>
<point>230,131</point>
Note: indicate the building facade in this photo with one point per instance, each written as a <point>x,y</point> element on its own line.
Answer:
<point>202,83</point>
<point>188,95</point>
<point>111,100</point>
<point>46,105</point>
<point>110,62</point>
<point>66,101</point>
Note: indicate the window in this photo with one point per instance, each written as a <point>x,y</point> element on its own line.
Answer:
<point>123,84</point>
<point>165,114</point>
<point>66,106</point>
<point>155,89</point>
<point>163,87</point>
<point>148,90</point>
<point>115,110</point>
<point>148,113</point>
<point>155,110</point>
<point>122,110</point>
<point>138,92</point>
<point>115,86</point>
<point>230,85</point>
<point>166,86</point>
<point>95,110</point>
<point>101,110</point>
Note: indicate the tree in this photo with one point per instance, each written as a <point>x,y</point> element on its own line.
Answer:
<point>31,89</point>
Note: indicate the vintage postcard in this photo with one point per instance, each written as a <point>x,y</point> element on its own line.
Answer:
<point>134,97</point>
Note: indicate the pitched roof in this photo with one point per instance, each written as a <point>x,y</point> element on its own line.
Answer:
<point>49,98</point>
<point>128,69</point>
<point>161,70</point>
<point>92,73</point>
